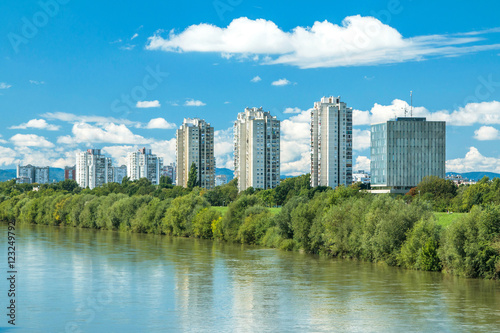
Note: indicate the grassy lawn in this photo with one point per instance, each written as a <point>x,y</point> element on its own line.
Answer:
<point>445,219</point>
<point>223,210</point>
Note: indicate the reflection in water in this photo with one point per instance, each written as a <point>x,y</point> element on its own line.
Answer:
<point>100,281</point>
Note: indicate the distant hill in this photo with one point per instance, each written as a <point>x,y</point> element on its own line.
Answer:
<point>475,176</point>
<point>55,174</point>
<point>224,171</point>
<point>7,175</point>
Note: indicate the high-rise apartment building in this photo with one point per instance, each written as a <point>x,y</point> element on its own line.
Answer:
<point>331,143</point>
<point>404,151</point>
<point>29,174</point>
<point>70,172</point>
<point>144,164</point>
<point>257,149</point>
<point>195,144</point>
<point>93,169</point>
<point>119,173</point>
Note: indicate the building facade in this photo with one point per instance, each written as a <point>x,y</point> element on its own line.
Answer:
<point>170,171</point>
<point>70,172</point>
<point>93,169</point>
<point>119,173</point>
<point>404,151</point>
<point>29,174</point>
<point>331,143</point>
<point>220,180</point>
<point>195,144</point>
<point>257,149</point>
<point>144,164</point>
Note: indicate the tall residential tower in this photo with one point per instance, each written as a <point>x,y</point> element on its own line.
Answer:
<point>93,169</point>
<point>257,149</point>
<point>195,144</point>
<point>144,164</point>
<point>331,143</point>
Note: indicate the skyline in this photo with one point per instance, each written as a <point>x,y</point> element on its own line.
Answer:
<point>64,87</point>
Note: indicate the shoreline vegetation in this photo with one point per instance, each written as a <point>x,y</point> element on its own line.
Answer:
<point>416,231</point>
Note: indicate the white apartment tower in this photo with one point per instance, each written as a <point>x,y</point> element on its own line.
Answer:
<point>144,164</point>
<point>331,143</point>
<point>30,174</point>
<point>93,169</point>
<point>256,149</point>
<point>195,144</point>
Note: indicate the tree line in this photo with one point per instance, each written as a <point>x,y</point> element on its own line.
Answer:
<point>345,222</point>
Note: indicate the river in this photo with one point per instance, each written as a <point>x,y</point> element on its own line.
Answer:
<point>76,280</point>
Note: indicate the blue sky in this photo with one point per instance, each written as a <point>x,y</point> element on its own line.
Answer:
<point>76,74</point>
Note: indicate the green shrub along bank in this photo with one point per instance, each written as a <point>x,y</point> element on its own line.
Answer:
<point>346,222</point>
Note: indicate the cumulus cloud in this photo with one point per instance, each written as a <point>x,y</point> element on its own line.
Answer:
<point>223,148</point>
<point>485,113</point>
<point>31,140</point>
<point>292,110</point>
<point>360,139</point>
<point>38,124</point>
<point>281,82</point>
<point>148,104</point>
<point>356,41</point>
<point>105,133</point>
<point>119,153</point>
<point>486,133</point>
<point>192,102</point>
<point>295,146</point>
<point>362,163</point>
<point>160,123</point>
<point>7,156</point>
<point>4,85</point>
<point>165,149</point>
<point>256,79</point>
<point>473,161</point>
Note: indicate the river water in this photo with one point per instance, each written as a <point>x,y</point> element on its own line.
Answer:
<point>74,280</point>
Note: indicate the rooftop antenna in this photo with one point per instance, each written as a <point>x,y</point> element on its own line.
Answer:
<point>411,103</point>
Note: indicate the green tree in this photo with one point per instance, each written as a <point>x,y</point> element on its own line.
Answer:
<point>192,176</point>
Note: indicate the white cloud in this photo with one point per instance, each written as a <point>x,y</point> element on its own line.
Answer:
<point>473,161</point>
<point>134,36</point>
<point>281,82</point>
<point>36,82</point>
<point>357,41</point>
<point>148,104</point>
<point>105,133</point>
<point>73,118</point>
<point>38,124</point>
<point>2,140</point>
<point>486,113</point>
<point>360,139</point>
<point>292,110</point>
<point>256,79</point>
<point>165,149</point>
<point>223,148</point>
<point>295,146</point>
<point>127,47</point>
<point>227,102</point>
<point>486,133</point>
<point>4,85</point>
<point>160,123</point>
<point>119,153</point>
<point>30,140</point>
<point>7,156</point>
<point>362,163</point>
<point>192,102</point>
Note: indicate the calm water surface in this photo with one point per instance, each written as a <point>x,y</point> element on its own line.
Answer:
<point>73,280</point>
